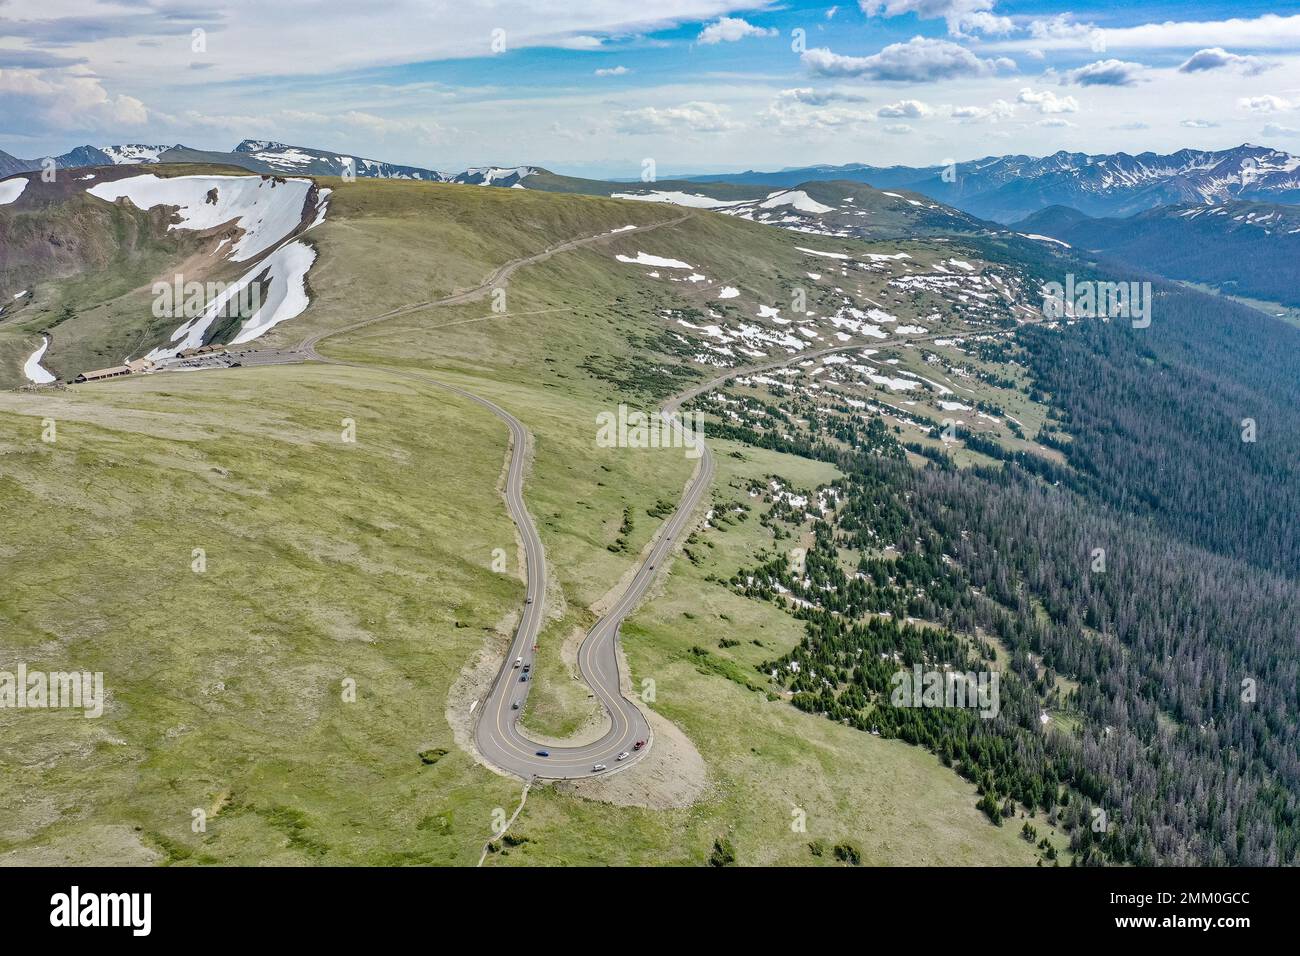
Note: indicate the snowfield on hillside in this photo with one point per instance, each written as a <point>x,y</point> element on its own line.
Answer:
<point>797,198</point>
<point>745,208</point>
<point>818,252</point>
<point>265,210</point>
<point>277,155</point>
<point>693,200</point>
<point>645,259</point>
<point>284,297</point>
<point>32,367</point>
<point>11,189</point>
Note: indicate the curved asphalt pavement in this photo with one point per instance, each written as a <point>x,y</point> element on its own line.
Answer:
<point>498,735</point>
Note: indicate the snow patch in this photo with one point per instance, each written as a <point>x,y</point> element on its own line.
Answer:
<point>1030,235</point>
<point>645,259</point>
<point>32,367</point>
<point>133,154</point>
<point>265,210</point>
<point>11,189</point>
<point>284,298</point>
<point>286,294</point>
<point>694,200</point>
<point>797,198</point>
<point>818,252</point>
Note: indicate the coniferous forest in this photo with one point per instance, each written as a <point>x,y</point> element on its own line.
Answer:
<point>1150,589</point>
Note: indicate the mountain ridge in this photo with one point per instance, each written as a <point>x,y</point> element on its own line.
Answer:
<point>1239,247</point>
<point>1009,187</point>
<point>269,157</point>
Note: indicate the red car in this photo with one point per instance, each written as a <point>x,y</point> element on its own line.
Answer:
<point>638,745</point>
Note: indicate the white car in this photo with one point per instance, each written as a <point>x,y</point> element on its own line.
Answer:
<point>597,768</point>
<point>623,756</point>
<point>518,661</point>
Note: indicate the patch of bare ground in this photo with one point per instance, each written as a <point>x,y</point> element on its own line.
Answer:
<point>672,776</point>
<point>471,687</point>
<point>87,847</point>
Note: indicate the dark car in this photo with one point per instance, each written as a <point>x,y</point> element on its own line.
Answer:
<point>638,745</point>
<point>543,753</point>
<point>522,678</point>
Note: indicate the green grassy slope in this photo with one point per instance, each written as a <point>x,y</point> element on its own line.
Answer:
<point>328,560</point>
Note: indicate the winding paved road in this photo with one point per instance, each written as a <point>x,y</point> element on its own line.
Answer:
<point>498,734</point>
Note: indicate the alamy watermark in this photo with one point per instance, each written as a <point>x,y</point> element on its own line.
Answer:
<point>56,690</point>
<point>950,688</point>
<point>1098,300</point>
<point>188,300</point>
<point>133,911</point>
<point>635,429</point>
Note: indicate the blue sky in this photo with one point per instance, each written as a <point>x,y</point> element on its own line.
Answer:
<point>594,87</point>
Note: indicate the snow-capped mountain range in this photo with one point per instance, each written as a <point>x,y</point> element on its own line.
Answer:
<point>266,156</point>
<point>1241,248</point>
<point>1006,188</point>
<point>999,188</point>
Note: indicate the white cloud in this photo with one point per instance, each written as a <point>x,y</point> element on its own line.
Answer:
<point>1277,129</point>
<point>731,29</point>
<point>1267,32</point>
<point>912,109</point>
<point>1061,26</point>
<point>807,110</point>
<point>40,100</point>
<point>963,17</point>
<point>1198,124</point>
<point>1216,58</point>
<point>919,60</point>
<point>1268,103</point>
<point>1055,122</point>
<point>1105,73</point>
<point>613,71</point>
<point>696,117</point>
<point>899,129</point>
<point>997,110</point>
<point>1047,102</point>
<point>149,40</point>
<point>277,124</point>
<point>813,97</point>
<point>580,42</point>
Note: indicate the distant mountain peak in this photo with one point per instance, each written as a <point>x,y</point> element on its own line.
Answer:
<point>1008,188</point>
<point>258,145</point>
<point>131,154</point>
